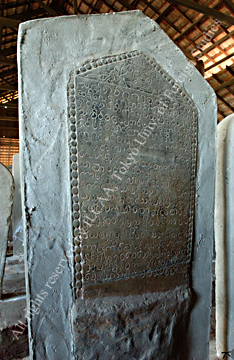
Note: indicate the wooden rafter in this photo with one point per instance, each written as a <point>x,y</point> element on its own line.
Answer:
<point>9,128</point>
<point>229,4</point>
<point>6,61</point>
<point>217,43</point>
<point>195,23</point>
<point>47,8</point>
<point>224,85</point>
<point>12,23</point>
<point>204,10</point>
<point>10,51</point>
<point>30,14</point>
<point>216,77</point>
<point>219,62</point>
<point>230,70</point>
<point>9,106</point>
<point>225,102</point>
<point>8,118</point>
<point>185,28</point>
<point>126,4</point>
<point>7,72</point>
<point>8,87</point>
<point>221,113</point>
<point>164,13</point>
<point>74,7</point>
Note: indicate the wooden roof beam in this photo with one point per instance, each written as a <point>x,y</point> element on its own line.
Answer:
<point>215,76</point>
<point>0,36</point>
<point>216,43</point>
<point>9,51</point>
<point>8,88</point>
<point>13,5</point>
<point>126,5</point>
<point>8,118</point>
<point>94,8</point>
<point>8,72</point>
<point>225,102</point>
<point>230,70</point>
<point>204,10</point>
<point>9,132</point>
<point>28,14</point>
<point>6,61</point>
<point>47,8</point>
<point>184,15</point>
<point>151,7</point>
<point>163,17</point>
<point>12,23</point>
<point>9,128</point>
<point>165,13</point>
<point>229,4</point>
<point>197,22</point>
<point>219,62</point>
<point>224,85</point>
<point>74,7</point>
<point>9,106</point>
<point>222,114</point>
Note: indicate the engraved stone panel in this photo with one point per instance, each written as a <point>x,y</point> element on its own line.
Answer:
<point>113,131</point>
<point>133,137</point>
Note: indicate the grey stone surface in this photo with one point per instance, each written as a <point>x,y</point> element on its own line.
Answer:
<point>224,236</point>
<point>230,231</point>
<point>155,307</point>
<point>17,221</point>
<point>6,200</point>
<point>136,216</point>
<point>12,311</point>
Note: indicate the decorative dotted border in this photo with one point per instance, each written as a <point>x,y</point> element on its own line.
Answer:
<point>74,178</point>
<point>86,67</point>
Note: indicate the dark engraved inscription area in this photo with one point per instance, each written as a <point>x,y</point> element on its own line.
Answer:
<point>133,136</point>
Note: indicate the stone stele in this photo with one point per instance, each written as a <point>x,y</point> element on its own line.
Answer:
<point>224,230</point>
<point>117,135</point>
<point>6,201</point>
<point>17,221</point>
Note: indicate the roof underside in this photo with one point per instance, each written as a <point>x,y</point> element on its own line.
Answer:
<point>202,29</point>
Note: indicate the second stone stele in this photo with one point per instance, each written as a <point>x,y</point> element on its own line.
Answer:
<point>120,170</point>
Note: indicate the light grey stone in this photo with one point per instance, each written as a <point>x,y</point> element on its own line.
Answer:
<point>230,231</point>
<point>91,310</point>
<point>224,196</point>
<point>6,200</point>
<point>17,221</point>
<point>12,311</point>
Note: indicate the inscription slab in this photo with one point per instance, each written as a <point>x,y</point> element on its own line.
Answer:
<point>117,158</point>
<point>132,171</point>
<point>17,223</point>
<point>6,201</point>
<point>224,195</point>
